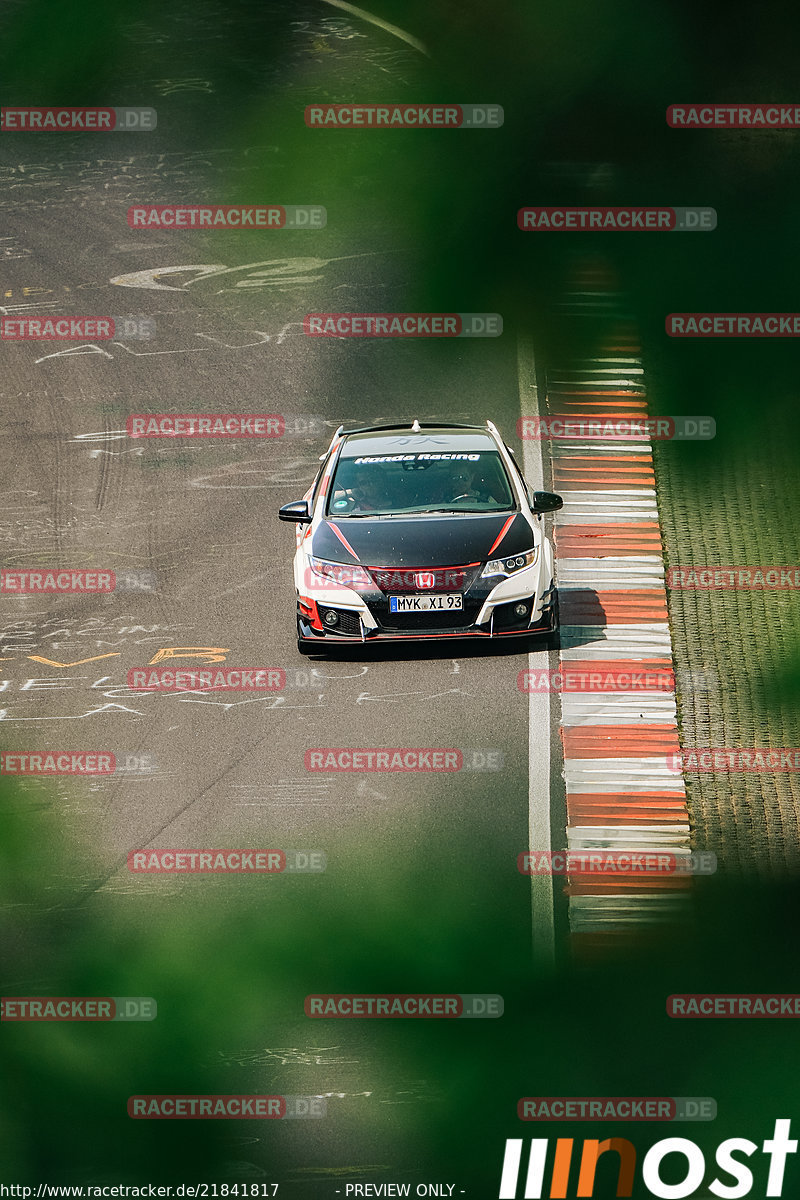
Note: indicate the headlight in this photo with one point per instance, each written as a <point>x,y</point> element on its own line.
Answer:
<point>340,573</point>
<point>515,562</point>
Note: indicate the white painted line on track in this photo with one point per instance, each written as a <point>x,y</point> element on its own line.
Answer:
<point>539,708</point>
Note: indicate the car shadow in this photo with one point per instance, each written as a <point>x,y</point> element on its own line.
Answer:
<point>581,613</point>
<point>579,608</point>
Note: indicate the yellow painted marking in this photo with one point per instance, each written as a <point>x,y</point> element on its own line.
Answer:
<point>49,662</point>
<point>208,654</point>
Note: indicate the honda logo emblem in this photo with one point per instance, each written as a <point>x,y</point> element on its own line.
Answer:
<point>425,579</point>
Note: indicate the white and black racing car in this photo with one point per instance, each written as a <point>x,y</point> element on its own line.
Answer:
<point>421,532</point>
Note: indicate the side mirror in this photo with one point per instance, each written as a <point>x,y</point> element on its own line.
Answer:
<point>297,512</point>
<point>544,502</point>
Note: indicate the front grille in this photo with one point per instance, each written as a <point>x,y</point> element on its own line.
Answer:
<point>348,622</point>
<point>438,579</point>
<point>422,622</point>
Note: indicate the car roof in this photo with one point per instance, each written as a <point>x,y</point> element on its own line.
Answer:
<point>401,439</point>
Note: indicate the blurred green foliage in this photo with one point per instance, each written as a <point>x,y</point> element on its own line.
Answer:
<point>580,83</point>
<point>230,961</point>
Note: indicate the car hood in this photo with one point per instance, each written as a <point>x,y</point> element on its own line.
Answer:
<point>439,541</point>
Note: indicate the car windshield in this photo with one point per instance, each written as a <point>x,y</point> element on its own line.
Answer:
<point>398,484</point>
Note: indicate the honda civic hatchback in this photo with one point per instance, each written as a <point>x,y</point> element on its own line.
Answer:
<point>421,532</point>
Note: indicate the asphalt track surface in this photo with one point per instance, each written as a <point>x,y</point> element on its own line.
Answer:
<point>197,520</point>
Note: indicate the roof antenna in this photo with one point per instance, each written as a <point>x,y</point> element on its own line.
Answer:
<point>416,427</point>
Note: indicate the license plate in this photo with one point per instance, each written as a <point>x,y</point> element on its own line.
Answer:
<point>447,602</point>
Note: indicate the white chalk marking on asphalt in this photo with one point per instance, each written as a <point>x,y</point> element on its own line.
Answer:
<point>101,435</point>
<point>542,916</point>
<point>373,20</point>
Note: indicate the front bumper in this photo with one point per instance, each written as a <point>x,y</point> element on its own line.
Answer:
<point>363,615</point>
<point>353,627</point>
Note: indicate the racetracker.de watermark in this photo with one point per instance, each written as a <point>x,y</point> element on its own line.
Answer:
<point>403,116</point>
<point>130,328</point>
<point>139,764</point>
<point>57,329</point>
<point>402,759</point>
<point>733,325</point>
<point>380,325</point>
<point>615,862</point>
<point>224,1108</point>
<point>205,425</point>
<point>616,219</point>
<point>227,216</point>
<point>227,679</point>
<point>57,762</point>
<point>398,1005</point>
<point>734,116</point>
<point>135,579</point>
<point>740,1004</point>
<point>723,760</point>
<point>77,762</point>
<point>223,862</point>
<point>78,1008</point>
<point>708,578</point>
<point>563,426</point>
<point>97,120</point>
<point>616,1108</point>
<point>482,760</point>
<point>58,582</point>
<point>600,677</point>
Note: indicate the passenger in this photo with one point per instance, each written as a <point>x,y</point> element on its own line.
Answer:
<point>473,484</point>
